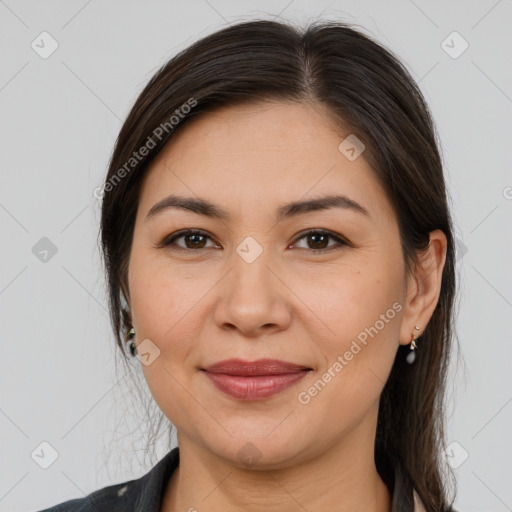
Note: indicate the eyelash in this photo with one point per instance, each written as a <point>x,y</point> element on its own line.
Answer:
<point>169,242</point>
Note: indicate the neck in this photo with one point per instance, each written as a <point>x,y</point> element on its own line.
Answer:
<point>343,478</point>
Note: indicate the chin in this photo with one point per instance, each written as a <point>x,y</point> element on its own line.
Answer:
<point>262,452</point>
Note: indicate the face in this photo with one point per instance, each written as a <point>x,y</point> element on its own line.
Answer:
<point>255,285</point>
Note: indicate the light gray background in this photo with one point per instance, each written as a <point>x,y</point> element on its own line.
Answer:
<point>59,119</point>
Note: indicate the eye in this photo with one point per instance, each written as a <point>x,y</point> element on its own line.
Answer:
<point>196,239</point>
<point>319,238</point>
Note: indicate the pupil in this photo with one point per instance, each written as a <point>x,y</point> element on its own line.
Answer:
<point>194,238</point>
<point>321,236</point>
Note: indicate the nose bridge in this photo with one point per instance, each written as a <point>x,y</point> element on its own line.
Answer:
<point>252,296</point>
<point>251,261</point>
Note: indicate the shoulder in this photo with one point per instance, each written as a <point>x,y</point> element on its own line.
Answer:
<point>112,498</point>
<point>143,493</point>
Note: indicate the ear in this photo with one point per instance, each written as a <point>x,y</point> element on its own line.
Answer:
<point>424,287</point>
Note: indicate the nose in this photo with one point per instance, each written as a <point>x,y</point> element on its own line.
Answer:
<point>253,298</point>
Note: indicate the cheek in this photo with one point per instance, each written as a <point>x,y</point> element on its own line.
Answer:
<point>162,303</point>
<point>361,311</point>
<point>352,299</point>
<point>160,293</point>
<point>357,353</point>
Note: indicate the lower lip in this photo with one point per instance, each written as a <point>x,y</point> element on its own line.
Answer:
<point>254,388</point>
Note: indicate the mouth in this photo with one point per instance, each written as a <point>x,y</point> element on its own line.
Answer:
<point>256,380</point>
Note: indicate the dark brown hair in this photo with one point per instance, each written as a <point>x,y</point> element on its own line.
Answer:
<point>364,86</point>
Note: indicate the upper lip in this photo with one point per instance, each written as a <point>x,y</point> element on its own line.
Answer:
<point>255,368</point>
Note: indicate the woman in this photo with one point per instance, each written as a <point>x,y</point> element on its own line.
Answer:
<point>279,250</point>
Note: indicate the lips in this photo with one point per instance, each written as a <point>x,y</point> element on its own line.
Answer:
<point>255,368</point>
<point>256,380</point>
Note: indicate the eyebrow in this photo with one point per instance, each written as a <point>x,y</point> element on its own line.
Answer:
<point>204,207</point>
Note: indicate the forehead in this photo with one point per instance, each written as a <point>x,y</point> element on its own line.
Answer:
<point>260,154</point>
<point>247,128</point>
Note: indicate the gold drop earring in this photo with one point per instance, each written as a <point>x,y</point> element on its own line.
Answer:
<point>411,356</point>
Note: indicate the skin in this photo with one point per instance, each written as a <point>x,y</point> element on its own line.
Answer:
<point>208,304</point>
